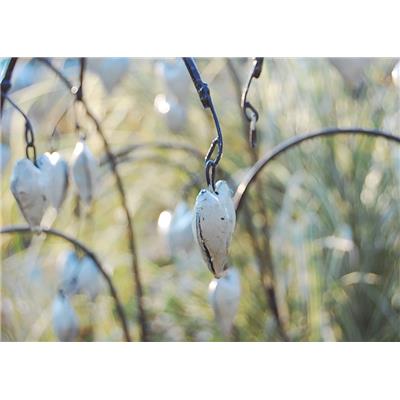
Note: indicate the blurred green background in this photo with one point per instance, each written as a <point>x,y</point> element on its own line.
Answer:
<point>333,204</point>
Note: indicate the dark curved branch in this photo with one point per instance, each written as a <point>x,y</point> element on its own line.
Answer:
<point>252,174</point>
<point>88,252</point>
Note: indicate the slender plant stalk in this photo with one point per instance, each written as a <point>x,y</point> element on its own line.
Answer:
<point>262,252</point>
<point>144,333</point>
<point>53,232</point>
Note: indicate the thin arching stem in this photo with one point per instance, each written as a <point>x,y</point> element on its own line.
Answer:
<point>53,232</point>
<point>121,190</point>
<point>252,174</point>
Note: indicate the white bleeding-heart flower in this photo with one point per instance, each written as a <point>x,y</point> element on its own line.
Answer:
<point>56,169</point>
<point>180,234</point>
<point>65,321</point>
<point>224,296</point>
<point>84,169</point>
<point>213,224</point>
<point>89,279</point>
<point>28,185</point>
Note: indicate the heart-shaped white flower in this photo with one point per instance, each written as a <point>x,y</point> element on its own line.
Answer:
<point>180,234</point>
<point>84,172</point>
<point>56,169</point>
<point>28,185</point>
<point>65,321</point>
<point>213,224</point>
<point>224,296</point>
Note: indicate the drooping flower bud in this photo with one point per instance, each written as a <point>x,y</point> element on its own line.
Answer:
<point>224,296</point>
<point>28,185</point>
<point>56,169</point>
<point>213,224</point>
<point>84,172</point>
<point>65,321</point>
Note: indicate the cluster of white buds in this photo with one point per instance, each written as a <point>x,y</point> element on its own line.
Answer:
<point>65,320</point>
<point>213,226</point>
<point>224,296</point>
<point>172,104</point>
<point>38,187</point>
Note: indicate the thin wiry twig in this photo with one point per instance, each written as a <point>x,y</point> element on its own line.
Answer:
<point>88,252</point>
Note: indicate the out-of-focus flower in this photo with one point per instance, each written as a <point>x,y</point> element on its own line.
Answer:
<point>174,113</point>
<point>70,267</point>
<point>396,75</point>
<point>56,169</point>
<point>224,296</point>
<point>213,225</point>
<point>175,77</point>
<point>111,70</point>
<point>352,70</point>
<point>28,185</point>
<point>65,321</point>
<point>84,172</point>
<point>89,279</point>
<point>180,234</point>
<point>5,155</point>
